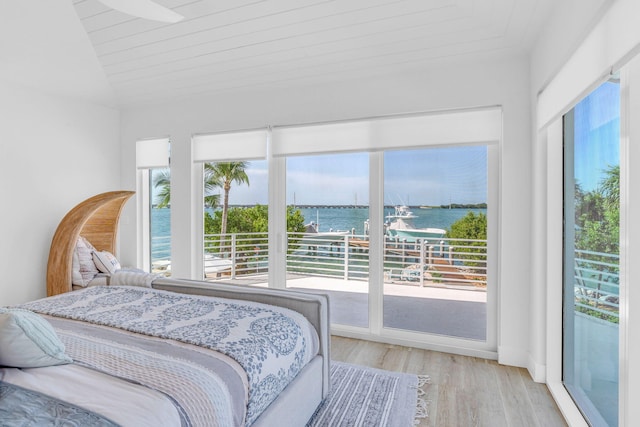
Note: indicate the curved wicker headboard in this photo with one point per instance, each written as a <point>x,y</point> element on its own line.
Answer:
<point>96,219</point>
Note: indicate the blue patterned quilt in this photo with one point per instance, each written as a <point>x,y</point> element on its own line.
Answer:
<point>272,344</point>
<point>22,407</point>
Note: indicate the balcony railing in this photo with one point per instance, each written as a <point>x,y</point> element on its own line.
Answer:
<point>233,255</point>
<point>596,286</point>
<point>161,255</point>
<point>441,262</point>
<point>444,262</point>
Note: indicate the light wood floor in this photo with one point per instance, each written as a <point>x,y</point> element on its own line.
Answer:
<point>464,391</point>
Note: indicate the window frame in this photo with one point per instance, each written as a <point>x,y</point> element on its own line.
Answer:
<point>552,138</point>
<point>477,132</point>
<point>151,153</point>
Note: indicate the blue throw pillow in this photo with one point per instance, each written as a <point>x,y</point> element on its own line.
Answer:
<point>27,340</point>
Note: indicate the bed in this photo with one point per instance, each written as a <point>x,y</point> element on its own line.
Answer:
<point>177,353</point>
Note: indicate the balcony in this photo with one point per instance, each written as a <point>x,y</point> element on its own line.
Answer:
<point>433,286</point>
<point>429,286</point>
<point>452,263</point>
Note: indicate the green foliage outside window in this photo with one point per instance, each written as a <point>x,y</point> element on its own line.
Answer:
<point>598,215</point>
<point>597,236</point>
<point>249,224</point>
<point>472,227</point>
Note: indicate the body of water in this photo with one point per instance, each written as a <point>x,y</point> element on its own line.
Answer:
<point>329,219</point>
<point>354,218</point>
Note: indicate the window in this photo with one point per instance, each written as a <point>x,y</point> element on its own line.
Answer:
<point>591,254</point>
<point>235,206</point>
<point>345,177</point>
<point>435,262</point>
<point>305,207</point>
<point>160,220</point>
<point>328,195</point>
<point>154,190</point>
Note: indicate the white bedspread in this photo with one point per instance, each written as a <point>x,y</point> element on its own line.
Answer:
<point>271,344</point>
<point>125,403</point>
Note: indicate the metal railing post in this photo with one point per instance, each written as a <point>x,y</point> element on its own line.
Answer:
<point>346,257</point>
<point>404,251</point>
<point>430,255</point>
<point>423,245</point>
<point>233,256</point>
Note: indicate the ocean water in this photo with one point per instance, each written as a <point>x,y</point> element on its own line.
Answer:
<point>329,219</point>
<point>350,218</point>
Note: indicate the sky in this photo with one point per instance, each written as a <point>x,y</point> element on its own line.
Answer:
<point>431,176</point>
<point>438,175</point>
<point>597,135</point>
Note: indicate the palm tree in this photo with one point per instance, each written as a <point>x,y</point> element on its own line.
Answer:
<point>216,175</point>
<point>223,174</point>
<point>211,183</point>
<point>610,187</point>
<point>163,180</point>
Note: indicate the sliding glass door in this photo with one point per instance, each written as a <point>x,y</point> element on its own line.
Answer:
<point>331,193</point>
<point>436,258</point>
<point>591,254</point>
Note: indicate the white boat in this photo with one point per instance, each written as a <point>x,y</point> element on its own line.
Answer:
<point>311,234</point>
<point>402,212</point>
<point>400,225</point>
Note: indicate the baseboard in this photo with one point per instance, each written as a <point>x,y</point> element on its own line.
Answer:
<point>537,371</point>
<point>512,357</point>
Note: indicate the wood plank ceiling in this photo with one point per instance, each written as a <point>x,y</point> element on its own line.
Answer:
<point>228,45</point>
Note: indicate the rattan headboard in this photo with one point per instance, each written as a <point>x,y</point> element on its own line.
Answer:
<point>96,219</point>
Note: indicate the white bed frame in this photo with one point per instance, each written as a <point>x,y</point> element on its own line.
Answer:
<point>299,400</point>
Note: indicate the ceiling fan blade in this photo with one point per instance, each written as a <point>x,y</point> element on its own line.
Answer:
<point>144,9</point>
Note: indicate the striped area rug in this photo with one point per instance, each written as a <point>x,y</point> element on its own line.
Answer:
<point>367,397</point>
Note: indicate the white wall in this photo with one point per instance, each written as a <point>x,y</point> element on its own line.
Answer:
<point>45,47</point>
<point>58,145</point>
<point>54,153</point>
<point>491,82</point>
<point>565,30</point>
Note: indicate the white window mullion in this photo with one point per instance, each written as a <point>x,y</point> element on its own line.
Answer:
<point>554,275</point>
<point>144,219</point>
<point>376,242</point>
<point>197,188</point>
<point>629,245</point>
<point>277,219</point>
<point>493,242</point>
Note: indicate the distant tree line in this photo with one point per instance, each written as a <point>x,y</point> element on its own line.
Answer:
<point>464,206</point>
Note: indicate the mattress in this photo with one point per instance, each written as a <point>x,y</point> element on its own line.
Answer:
<point>196,360</point>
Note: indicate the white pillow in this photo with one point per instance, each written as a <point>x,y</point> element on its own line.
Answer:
<point>84,269</point>
<point>27,340</point>
<point>106,262</point>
